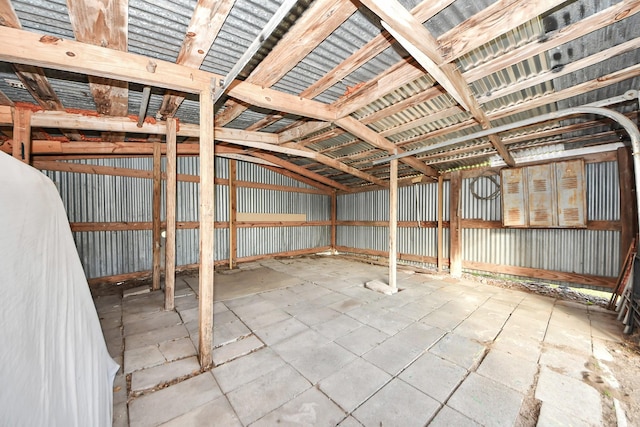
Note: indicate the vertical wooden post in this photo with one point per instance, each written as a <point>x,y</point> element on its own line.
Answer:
<point>156,212</point>
<point>455,234</point>
<point>628,205</point>
<point>207,231</point>
<point>233,210</point>
<point>393,222</point>
<point>170,248</point>
<point>334,220</point>
<point>440,255</point>
<point>22,135</point>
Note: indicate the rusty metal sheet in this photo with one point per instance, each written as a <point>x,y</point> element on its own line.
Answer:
<point>541,192</point>
<point>513,198</point>
<point>572,203</point>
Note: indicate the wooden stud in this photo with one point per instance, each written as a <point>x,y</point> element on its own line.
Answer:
<point>440,218</point>
<point>155,213</point>
<point>393,223</point>
<point>334,220</point>
<point>170,200</point>
<point>22,135</point>
<point>233,211</point>
<point>207,231</point>
<point>455,232</point>
<point>628,205</point>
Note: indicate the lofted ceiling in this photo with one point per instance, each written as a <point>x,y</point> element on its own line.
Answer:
<point>335,86</point>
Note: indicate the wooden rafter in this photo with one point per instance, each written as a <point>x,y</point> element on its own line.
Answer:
<point>318,22</point>
<point>104,23</point>
<point>206,22</point>
<point>33,77</point>
<point>419,42</point>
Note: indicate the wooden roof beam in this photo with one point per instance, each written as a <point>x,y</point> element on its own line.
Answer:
<point>315,25</point>
<point>35,49</point>
<point>415,38</point>
<point>206,22</point>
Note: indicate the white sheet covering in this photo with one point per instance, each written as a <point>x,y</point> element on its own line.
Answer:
<point>54,366</point>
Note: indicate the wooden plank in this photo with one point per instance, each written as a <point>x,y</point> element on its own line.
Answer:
<point>440,241</point>
<point>320,19</point>
<point>170,210</point>
<point>285,254</point>
<point>103,23</point>
<point>302,171</point>
<point>4,102</point>
<point>233,214</point>
<point>206,21</point>
<point>490,23</point>
<point>393,223</point>
<point>25,47</point>
<point>279,224</point>
<point>383,255</point>
<point>207,219</point>
<point>155,215</point>
<point>361,131</point>
<point>86,227</point>
<point>455,229</point>
<point>269,217</point>
<point>628,206</point>
<point>334,220</point>
<point>22,135</point>
<point>583,279</point>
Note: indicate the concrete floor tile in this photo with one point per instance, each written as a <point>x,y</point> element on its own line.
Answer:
<point>434,376</point>
<point>236,349</point>
<point>346,305</point>
<point>605,326</point>
<point>254,309</point>
<point>162,374</point>
<point>482,325</point>
<point>354,383</point>
<point>246,368</point>
<point>142,358</point>
<point>337,327</point>
<point>277,332</point>
<point>385,407</point>
<point>265,319</point>
<point>229,332</point>
<point>448,417</point>
<point>553,416</point>
<point>350,422</point>
<point>508,370</point>
<point>255,399</point>
<point>156,336</point>
<point>164,405</point>
<point>486,402</point>
<point>448,316</point>
<point>311,408</point>
<point>218,410</point>
<point>328,299</point>
<point>186,303</point>
<point>360,293</point>
<point>460,350</point>
<point>317,316</point>
<point>392,356</point>
<point>304,342</point>
<point>120,417</point>
<point>320,362</point>
<point>281,297</point>
<point>190,315</point>
<point>562,337</point>
<point>577,398</point>
<point>120,389</point>
<point>177,349</point>
<point>517,345</point>
<point>362,340</point>
<point>390,322</point>
<point>564,360</point>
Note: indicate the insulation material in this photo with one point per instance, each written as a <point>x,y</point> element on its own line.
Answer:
<point>54,364</point>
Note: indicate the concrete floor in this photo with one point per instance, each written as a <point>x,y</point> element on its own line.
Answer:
<point>326,351</point>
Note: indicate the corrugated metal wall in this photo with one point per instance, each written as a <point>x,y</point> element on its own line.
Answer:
<point>100,198</point>
<point>590,252</point>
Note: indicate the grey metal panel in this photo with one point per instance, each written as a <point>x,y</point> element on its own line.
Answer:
<point>376,238</point>
<point>365,206</point>
<point>603,191</point>
<point>254,173</point>
<point>478,208</point>
<point>580,251</point>
<point>418,241</point>
<point>316,207</point>
<point>261,241</point>
<point>106,253</point>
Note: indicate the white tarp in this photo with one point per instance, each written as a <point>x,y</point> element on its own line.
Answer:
<point>54,366</point>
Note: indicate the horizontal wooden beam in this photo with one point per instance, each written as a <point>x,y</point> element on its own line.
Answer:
<point>24,47</point>
<point>88,227</point>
